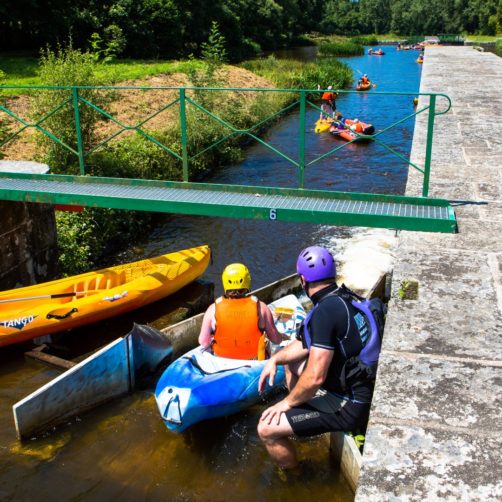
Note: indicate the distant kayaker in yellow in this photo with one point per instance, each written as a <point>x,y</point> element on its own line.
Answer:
<point>328,103</point>
<point>235,325</point>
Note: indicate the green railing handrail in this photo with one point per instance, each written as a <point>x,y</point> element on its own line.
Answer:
<point>183,100</point>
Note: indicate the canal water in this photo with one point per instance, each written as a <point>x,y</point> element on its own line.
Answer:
<point>123,450</point>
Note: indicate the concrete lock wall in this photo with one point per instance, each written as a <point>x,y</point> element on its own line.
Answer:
<point>27,244</point>
<point>28,247</point>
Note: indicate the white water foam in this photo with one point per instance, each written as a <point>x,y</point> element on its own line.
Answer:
<point>364,257</point>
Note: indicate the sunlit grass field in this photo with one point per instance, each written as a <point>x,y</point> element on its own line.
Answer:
<point>22,70</point>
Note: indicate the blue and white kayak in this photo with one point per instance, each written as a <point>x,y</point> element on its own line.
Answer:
<point>199,386</point>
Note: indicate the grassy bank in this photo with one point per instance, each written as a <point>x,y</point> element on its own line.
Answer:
<point>23,70</point>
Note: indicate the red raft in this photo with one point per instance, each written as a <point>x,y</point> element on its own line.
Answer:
<point>378,52</point>
<point>351,130</point>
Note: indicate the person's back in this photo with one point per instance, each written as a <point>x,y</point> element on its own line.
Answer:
<point>234,326</point>
<point>338,325</point>
<point>237,333</point>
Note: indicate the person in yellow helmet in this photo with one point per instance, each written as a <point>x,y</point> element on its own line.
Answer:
<point>235,325</point>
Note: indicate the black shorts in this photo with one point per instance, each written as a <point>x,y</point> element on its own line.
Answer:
<point>328,413</point>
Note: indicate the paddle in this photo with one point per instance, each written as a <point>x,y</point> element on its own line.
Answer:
<point>58,295</point>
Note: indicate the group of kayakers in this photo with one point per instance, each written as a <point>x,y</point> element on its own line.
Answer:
<point>332,120</point>
<point>328,99</point>
<point>322,397</point>
<point>330,384</point>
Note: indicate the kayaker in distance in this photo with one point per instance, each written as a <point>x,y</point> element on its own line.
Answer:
<point>330,371</point>
<point>328,103</point>
<point>363,82</point>
<point>235,325</point>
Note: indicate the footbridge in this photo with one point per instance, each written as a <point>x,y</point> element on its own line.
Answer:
<point>80,180</point>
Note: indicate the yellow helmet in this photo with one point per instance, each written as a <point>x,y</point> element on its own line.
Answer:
<point>236,276</point>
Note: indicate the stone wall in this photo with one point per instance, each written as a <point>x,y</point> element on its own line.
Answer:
<point>28,248</point>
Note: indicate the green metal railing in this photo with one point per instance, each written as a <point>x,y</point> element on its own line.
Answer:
<point>185,99</point>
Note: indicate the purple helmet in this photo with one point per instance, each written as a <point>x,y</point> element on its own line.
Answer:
<point>316,263</point>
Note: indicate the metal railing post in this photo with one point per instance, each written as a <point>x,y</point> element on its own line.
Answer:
<point>183,123</point>
<point>80,147</point>
<point>301,141</point>
<point>428,147</point>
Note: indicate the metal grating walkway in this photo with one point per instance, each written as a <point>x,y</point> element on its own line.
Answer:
<point>315,206</point>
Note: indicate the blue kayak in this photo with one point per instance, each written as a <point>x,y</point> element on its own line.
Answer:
<point>199,386</point>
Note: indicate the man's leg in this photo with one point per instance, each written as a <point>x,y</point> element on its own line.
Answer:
<point>276,439</point>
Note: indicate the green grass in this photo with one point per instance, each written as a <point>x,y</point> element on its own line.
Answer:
<point>292,74</point>
<point>23,70</point>
<point>340,49</point>
<point>131,69</point>
<point>482,38</point>
<point>365,40</point>
<point>19,70</point>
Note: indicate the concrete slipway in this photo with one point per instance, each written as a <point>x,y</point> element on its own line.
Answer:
<point>435,429</point>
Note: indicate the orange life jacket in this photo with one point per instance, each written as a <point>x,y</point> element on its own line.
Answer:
<point>238,333</point>
<point>328,96</point>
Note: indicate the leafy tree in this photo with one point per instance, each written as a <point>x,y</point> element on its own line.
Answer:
<point>213,51</point>
<point>213,54</point>
<point>375,15</point>
<point>108,49</point>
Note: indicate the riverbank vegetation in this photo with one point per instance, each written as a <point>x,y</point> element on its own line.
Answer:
<point>86,238</point>
<point>340,49</point>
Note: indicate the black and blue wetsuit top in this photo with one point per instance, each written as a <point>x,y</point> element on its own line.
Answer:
<point>335,324</point>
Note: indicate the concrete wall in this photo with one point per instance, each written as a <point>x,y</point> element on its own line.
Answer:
<point>27,244</point>
<point>28,252</point>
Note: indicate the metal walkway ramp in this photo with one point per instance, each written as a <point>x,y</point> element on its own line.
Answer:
<point>232,201</point>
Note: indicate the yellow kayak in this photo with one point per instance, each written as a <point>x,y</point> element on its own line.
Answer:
<point>323,125</point>
<point>55,306</point>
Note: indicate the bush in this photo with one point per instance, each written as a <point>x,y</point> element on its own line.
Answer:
<point>365,40</point>
<point>62,68</point>
<point>340,49</point>
<point>85,238</point>
<point>294,74</point>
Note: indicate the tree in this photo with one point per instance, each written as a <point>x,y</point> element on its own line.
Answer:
<point>375,15</point>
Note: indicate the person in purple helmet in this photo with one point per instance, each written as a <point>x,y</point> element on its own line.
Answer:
<point>327,390</point>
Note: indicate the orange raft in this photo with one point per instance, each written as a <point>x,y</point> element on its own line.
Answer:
<point>363,87</point>
<point>55,306</point>
<point>352,130</point>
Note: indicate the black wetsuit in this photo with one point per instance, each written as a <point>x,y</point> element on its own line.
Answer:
<point>336,325</point>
